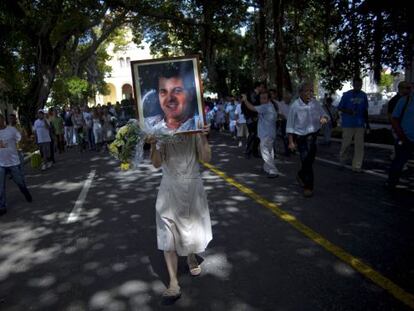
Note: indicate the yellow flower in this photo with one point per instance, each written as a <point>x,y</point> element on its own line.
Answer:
<point>125,166</point>
<point>122,131</point>
<point>113,149</point>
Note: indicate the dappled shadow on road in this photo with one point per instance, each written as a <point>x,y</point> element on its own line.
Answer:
<point>108,259</point>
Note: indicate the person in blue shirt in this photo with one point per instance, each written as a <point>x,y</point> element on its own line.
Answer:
<point>403,124</point>
<point>354,108</point>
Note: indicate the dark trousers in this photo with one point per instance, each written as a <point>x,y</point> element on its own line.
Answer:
<point>18,178</point>
<point>91,139</point>
<point>52,150</point>
<point>253,142</point>
<point>402,155</point>
<point>307,150</point>
<point>60,142</point>
<point>282,130</point>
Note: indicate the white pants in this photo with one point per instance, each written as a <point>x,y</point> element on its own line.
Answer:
<point>266,149</point>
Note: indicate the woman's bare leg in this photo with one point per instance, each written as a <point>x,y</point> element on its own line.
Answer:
<point>171,259</point>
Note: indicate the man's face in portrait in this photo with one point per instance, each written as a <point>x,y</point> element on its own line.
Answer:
<point>173,99</point>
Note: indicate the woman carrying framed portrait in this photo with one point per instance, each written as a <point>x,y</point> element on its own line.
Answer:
<point>182,214</point>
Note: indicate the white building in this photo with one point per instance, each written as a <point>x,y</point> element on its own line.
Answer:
<point>120,79</point>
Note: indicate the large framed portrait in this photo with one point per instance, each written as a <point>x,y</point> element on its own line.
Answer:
<point>168,93</point>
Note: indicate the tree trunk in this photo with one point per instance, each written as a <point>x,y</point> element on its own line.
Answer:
<point>378,38</point>
<point>207,44</point>
<point>283,81</point>
<point>409,59</point>
<point>261,46</point>
<point>48,58</point>
<point>355,42</point>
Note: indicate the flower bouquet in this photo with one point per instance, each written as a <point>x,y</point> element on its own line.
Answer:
<point>128,146</point>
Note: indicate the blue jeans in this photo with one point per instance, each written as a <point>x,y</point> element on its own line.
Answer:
<point>402,155</point>
<point>18,178</point>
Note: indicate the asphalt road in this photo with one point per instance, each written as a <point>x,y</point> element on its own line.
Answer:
<point>88,240</point>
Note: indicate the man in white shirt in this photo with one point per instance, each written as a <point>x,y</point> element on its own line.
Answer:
<point>42,135</point>
<point>10,163</point>
<point>305,118</point>
<point>266,131</point>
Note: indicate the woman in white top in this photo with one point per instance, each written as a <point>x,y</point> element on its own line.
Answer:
<point>182,214</point>
<point>107,128</point>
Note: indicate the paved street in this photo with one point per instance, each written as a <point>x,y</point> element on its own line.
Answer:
<point>88,240</point>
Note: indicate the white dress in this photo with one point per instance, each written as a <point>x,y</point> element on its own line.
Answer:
<point>182,215</point>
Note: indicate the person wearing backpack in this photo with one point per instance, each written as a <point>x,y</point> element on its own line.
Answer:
<point>403,125</point>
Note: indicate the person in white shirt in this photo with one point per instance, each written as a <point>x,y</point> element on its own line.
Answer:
<point>231,116</point>
<point>42,136</point>
<point>266,131</point>
<point>303,124</point>
<point>10,163</point>
<point>241,125</point>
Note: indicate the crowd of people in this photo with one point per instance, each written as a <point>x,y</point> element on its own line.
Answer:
<point>86,128</point>
<point>258,119</point>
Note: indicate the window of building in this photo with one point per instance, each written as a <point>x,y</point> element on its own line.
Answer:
<point>121,62</point>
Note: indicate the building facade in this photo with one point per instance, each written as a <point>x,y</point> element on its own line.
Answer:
<point>119,81</point>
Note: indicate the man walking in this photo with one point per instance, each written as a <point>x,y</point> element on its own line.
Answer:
<point>304,122</point>
<point>42,135</point>
<point>354,108</point>
<point>10,163</point>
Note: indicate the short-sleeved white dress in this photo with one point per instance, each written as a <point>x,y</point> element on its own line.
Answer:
<point>182,214</point>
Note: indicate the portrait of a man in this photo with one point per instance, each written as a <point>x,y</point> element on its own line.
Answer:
<point>168,94</point>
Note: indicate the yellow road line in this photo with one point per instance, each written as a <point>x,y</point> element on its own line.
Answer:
<point>354,262</point>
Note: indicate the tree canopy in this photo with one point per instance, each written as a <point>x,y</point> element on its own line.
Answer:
<point>57,49</point>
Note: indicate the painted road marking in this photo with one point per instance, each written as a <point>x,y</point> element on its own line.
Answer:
<point>350,167</point>
<point>354,262</point>
<point>74,214</point>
